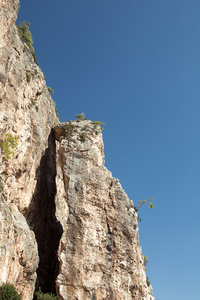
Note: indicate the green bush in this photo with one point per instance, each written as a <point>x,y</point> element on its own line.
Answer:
<point>69,127</point>
<point>147,281</point>
<point>146,201</point>
<point>80,117</point>
<point>146,261</point>
<point>35,58</point>
<point>82,137</point>
<point>98,123</point>
<point>8,143</point>
<point>85,128</point>
<point>26,37</point>
<point>25,34</point>
<point>51,91</point>
<point>8,292</point>
<point>141,203</point>
<point>41,296</point>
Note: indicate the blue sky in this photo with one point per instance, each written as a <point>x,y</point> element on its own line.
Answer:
<point>135,65</point>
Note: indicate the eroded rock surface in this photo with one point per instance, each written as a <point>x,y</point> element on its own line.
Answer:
<point>61,211</point>
<point>26,110</point>
<point>99,252</point>
<point>27,113</point>
<point>18,250</point>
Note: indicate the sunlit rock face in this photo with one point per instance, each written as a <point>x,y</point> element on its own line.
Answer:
<point>27,114</point>
<point>99,252</point>
<point>26,109</point>
<point>66,224</point>
<point>18,250</point>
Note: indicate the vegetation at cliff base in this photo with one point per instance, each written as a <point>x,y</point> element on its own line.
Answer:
<point>41,296</point>
<point>8,292</point>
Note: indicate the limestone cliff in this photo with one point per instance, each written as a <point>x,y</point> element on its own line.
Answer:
<point>62,213</point>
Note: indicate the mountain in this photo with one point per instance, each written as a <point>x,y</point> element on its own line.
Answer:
<point>66,225</point>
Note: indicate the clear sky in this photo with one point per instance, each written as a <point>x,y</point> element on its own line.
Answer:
<point>135,65</point>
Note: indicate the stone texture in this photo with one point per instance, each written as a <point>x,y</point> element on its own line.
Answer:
<point>99,252</point>
<point>26,110</point>
<point>18,250</point>
<point>85,227</point>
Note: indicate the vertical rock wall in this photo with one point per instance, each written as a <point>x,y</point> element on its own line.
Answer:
<point>99,253</point>
<point>61,211</point>
<point>26,110</point>
<point>27,113</point>
<point>18,250</point>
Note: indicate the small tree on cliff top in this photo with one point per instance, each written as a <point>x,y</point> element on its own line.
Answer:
<point>80,117</point>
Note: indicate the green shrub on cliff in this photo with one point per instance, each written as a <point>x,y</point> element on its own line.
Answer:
<point>26,37</point>
<point>51,91</point>
<point>82,137</point>
<point>8,292</point>
<point>80,117</point>
<point>98,123</point>
<point>147,202</point>
<point>69,127</point>
<point>146,261</point>
<point>148,282</point>
<point>9,142</point>
<point>25,34</point>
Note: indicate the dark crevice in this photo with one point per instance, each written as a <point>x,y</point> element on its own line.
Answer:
<point>41,216</point>
<point>109,248</point>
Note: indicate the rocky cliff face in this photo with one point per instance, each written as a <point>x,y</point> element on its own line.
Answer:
<point>62,213</point>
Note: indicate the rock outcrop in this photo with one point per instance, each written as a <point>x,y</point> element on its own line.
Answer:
<point>26,109</point>
<point>99,252</point>
<point>18,250</point>
<point>62,213</point>
<point>27,113</point>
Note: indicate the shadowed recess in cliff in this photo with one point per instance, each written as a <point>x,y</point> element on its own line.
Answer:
<point>41,217</point>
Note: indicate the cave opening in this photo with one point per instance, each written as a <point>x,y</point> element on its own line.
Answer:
<point>41,216</point>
